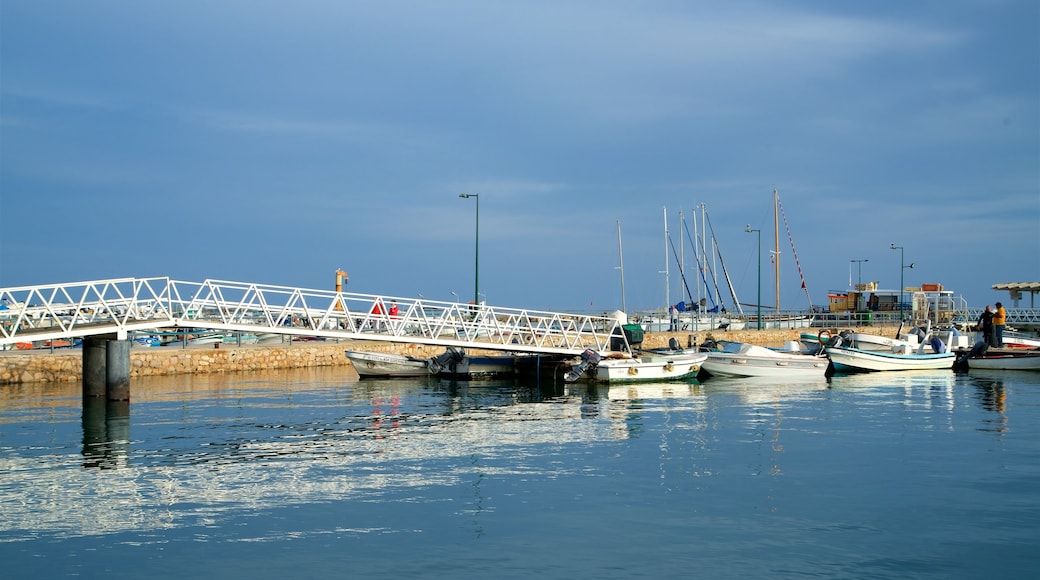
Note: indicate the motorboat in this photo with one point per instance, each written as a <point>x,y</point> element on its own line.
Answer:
<point>1013,359</point>
<point>621,367</point>
<point>479,366</point>
<point>741,359</point>
<point>901,358</point>
<point>382,364</point>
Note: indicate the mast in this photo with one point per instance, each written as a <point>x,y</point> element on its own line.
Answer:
<point>682,260</point>
<point>667,282</point>
<point>697,254</point>
<point>776,246</point>
<point>621,256</point>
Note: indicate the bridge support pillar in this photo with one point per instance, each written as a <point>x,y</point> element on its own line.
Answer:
<point>94,358</point>
<point>117,370</point>
<point>106,368</point>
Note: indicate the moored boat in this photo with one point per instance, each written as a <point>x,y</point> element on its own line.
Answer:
<point>1014,359</point>
<point>619,367</point>
<point>848,359</point>
<point>739,359</point>
<point>479,366</point>
<point>381,364</point>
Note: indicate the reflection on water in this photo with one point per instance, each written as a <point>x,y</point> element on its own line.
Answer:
<point>515,462</point>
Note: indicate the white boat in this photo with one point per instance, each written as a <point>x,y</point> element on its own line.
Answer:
<point>849,338</point>
<point>1012,359</point>
<point>202,339</point>
<point>848,359</point>
<point>1019,340</point>
<point>1006,361</point>
<point>619,367</point>
<point>915,338</point>
<point>686,323</point>
<point>381,364</point>
<point>740,359</point>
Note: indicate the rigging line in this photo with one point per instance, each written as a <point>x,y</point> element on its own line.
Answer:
<point>681,273</point>
<point>701,268</point>
<point>795,252</point>
<point>725,274</point>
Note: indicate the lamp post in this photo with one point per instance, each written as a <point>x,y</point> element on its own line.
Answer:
<point>859,267</point>
<point>759,301</point>
<point>902,268</point>
<point>476,251</point>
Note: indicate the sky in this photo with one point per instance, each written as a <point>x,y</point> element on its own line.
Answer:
<point>276,142</point>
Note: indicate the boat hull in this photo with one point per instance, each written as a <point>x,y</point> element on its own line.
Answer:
<point>1006,362</point>
<point>735,365</point>
<point>378,364</point>
<point>858,360</point>
<point>650,367</point>
<point>480,367</point>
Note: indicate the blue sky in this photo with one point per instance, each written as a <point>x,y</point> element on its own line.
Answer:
<point>275,142</point>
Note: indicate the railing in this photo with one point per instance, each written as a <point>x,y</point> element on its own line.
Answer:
<point>123,306</point>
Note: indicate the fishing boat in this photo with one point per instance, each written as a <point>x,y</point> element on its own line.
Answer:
<point>740,359</point>
<point>619,367</point>
<point>381,364</point>
<point>1020,340</point>
<point>1014,359</point>
<point>849,359</point>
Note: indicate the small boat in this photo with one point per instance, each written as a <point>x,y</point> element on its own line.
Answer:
<point>1015,359</point>
<point>740,359</point>
<point>848,359</point>
<point>479,366</point>
<point>200,339</point>
<point>1020,340</point>
<point>618,367</point>
<point>381,364</point>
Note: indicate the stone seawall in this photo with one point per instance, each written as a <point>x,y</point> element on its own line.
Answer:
<point>66,365</point>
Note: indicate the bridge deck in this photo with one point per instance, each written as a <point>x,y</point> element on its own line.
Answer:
<point>126,305</point>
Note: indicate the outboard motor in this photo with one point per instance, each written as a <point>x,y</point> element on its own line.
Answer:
<point>589,358</point>
<point>673,344</point>
<point>448,359</point>
<point>979,349</point>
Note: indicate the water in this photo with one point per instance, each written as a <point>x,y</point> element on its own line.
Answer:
<point>317,474</point>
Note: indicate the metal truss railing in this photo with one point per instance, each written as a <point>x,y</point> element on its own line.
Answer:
<point>127,305</point>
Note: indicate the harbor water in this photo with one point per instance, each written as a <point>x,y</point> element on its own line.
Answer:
<point>317,474</point>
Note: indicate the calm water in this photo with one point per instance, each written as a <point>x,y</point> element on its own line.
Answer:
<point>317,474</point>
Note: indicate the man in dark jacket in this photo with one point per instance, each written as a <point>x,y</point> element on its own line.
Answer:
<point>986,326</point>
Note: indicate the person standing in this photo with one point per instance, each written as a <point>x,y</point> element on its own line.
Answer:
<point>999,321</point>
<point>985,325</point>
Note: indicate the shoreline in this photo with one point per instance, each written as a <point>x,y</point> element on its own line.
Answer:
<point>66,364</point>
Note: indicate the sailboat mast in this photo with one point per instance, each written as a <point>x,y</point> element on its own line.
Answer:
<point>621,256</point>
<point>667,282</point>
<point>698,254</point>
<point>776,246</point>
<point>682,258</point>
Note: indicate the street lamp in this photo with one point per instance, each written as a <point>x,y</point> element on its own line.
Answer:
<point>476,251</point>
<point>759,232</point>
<point>901,269</point>
<point>859,266</point>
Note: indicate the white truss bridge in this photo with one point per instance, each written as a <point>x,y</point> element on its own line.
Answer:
<point>127,306</point>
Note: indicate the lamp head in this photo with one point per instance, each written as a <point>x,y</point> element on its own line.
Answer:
<point>911,265</point>
<point>748,230</point>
